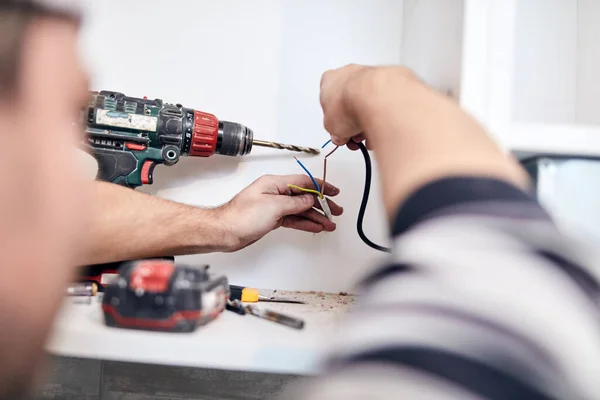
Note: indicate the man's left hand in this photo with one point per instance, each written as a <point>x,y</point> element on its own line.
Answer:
<point>269,203</point>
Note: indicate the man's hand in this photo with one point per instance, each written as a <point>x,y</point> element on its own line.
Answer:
<point>340,90</point>
<point>419,135</point>
<point>269,203</point>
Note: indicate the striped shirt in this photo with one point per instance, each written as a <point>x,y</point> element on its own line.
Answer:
<point>483,299</point>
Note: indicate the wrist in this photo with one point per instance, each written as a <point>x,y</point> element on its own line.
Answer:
<point>225,238</point>
<point>209,231</point>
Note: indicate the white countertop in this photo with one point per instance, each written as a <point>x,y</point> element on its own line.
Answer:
<point>231,342</point>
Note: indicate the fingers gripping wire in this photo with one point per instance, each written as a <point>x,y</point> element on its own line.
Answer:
<point>320,192</point>
<point>305,190</point>
<point>314,181</point>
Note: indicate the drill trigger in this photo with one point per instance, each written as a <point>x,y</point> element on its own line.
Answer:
<point>148,171</point>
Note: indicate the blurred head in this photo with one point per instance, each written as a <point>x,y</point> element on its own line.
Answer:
<point>42,195</point>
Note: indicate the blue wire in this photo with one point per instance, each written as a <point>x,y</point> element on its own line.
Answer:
<point>309,174</point>
<point>326,143</point>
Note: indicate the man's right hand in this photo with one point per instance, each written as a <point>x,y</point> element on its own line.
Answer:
<point>342,92</point>
<point>418,134</point>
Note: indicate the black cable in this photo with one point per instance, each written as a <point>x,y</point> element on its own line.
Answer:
<point>365,200</point>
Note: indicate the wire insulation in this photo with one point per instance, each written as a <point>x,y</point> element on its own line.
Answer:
<point>305,190</point>
<point>365,200</point>
<point>332,151</point>
<point>309,174</point>
<point>325,167</point>
<point>324,176</point>
<point>326,143</point>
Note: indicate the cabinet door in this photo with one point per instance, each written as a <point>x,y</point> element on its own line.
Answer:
<point>529,73</point>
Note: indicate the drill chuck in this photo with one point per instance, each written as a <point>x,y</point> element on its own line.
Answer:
<point>233,139</point>
<point>210,136</point>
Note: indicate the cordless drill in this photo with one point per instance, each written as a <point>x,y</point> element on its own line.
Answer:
<point>129,136</point>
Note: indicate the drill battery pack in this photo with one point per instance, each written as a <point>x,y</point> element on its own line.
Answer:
<point>161,296</point>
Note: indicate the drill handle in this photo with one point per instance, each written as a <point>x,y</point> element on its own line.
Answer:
<point>130,168</point>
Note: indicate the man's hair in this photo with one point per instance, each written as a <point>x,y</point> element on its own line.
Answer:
<point>15,18</point>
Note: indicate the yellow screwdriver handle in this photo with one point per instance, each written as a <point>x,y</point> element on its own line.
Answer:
<point>249,295</point>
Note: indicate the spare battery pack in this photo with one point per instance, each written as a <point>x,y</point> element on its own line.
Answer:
<point>161,296</point>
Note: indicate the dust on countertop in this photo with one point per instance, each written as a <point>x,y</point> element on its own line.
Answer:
<point>325,310</point>
<point>316,301</point>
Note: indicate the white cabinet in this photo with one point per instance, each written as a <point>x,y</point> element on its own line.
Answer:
<point>530,73</point>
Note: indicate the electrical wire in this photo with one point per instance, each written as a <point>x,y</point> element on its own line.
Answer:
<point>365,200</point>
<point>324,176</point>
<point>305,190</point>
<point>325,167</point>
<point>309,174</point>
<point>365,197</point>
<point>332,151</point>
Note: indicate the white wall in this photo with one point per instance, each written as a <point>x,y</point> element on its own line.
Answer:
<point>258,63</point>
<point>588,62</point>
<point>432,42</point>
<point>557,61</point>
<point>545,61</point>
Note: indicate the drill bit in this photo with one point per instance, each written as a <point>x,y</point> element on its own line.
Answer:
<point>290,147</point>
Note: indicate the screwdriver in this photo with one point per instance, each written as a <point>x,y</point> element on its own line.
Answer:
<point>251,295</point>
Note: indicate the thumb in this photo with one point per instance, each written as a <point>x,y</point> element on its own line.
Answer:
<point>289,205</point>
<point>338,141</point>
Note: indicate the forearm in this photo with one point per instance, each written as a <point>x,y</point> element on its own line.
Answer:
<point>131,225</point>
<point>420,135</point>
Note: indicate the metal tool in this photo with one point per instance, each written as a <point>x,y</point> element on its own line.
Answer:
<point>82,289</point>
<point>274,316</point>
<point>237,307</point>
<point>129,136</point>
<point>251,295</point>
<point>290,147</point>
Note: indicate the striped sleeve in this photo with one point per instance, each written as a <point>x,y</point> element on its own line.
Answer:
<point>483,299</point>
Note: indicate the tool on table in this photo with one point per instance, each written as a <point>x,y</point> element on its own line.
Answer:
<point>158,295</point>
<point>319,190</point>
<point>251,295</point>
<point>274,316</point>
<point>82,289</point>
<point>237,307</point>
<point>129,136</point>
